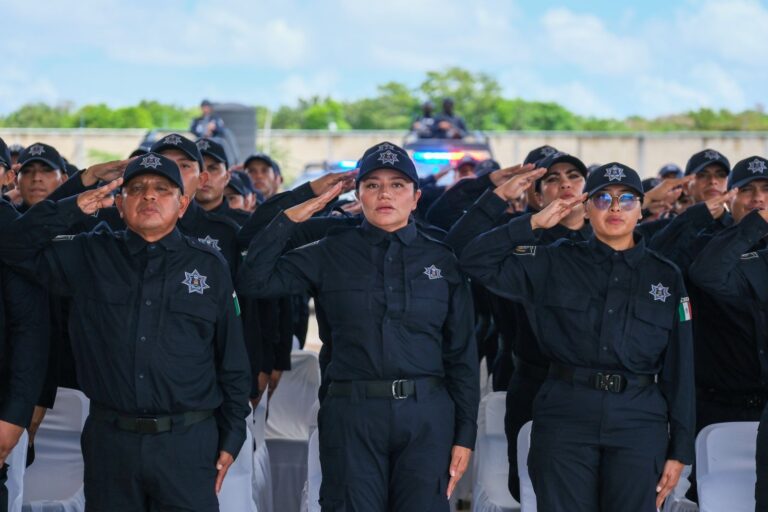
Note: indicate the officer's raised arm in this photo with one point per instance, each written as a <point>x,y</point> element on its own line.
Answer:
<point>264,272</point>
<point>498,261</point>
<point>27,245</point>
<point>722,266</point>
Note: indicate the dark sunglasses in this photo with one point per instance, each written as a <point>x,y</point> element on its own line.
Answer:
<point>604,200</point>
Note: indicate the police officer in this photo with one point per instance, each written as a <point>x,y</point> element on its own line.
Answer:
<point>208,124</point>
<point>210,196</point>
<point>24,336</point>
<point>609,315</point>
<point>424,125</point>
<point>399,421</point>
<point>157,341</point>
<point>730,267</point>
<point>562,178</point>
<point>39,174</point>
<point>264,173</point>
<point>448,125</point>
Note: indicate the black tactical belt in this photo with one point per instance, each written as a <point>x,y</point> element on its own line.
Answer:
<point>147,424</point>
<point>608,380</point>
<point>399,389</point>
<point>747,400</point>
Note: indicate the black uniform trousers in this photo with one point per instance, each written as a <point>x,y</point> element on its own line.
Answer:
<point>595,450</point>
<point>172,471</point>
<point>523,388</point>
<point>381,454</point>
<point>761,486</point>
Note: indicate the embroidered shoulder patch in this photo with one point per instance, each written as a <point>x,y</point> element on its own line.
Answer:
<point>63,238</point>
<point>525,250</point>
<point>684,310</point>
<point>749,256</point>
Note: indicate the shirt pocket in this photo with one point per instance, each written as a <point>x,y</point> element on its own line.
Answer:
<point>649,331</point>
<point>565,316</point>
<point>428,303</point>
<point>107,303</point>
<point>347,299</point>
<point>190,326</point>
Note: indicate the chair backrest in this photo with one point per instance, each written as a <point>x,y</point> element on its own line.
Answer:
<point>726,447</point>
<point>314,474</point>
<point>258,422</point>
<point>291,406</point>
<point>69,412</point>
<point>527,494</point>
<point>237,490</point>
<point>490,436</point>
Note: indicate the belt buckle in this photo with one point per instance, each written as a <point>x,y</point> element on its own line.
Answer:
<point>397,389</point>
<point>146,425</point>
<point>613,383</point>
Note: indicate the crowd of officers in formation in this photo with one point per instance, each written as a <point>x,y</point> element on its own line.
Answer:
<point>621,316</point>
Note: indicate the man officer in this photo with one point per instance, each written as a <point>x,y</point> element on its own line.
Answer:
<point>157,342</point>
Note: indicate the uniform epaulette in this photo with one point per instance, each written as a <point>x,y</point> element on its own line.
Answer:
<point>431,238</point>
<point>198,244</point>
<point>566,242</point>
<point>222,219</point>
<point>663,259</point>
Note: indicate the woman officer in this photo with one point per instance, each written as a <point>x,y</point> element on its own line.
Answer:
<point>613,423</point>
<point>399,420</point>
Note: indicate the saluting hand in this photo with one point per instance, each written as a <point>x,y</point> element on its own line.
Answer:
<point>513,187</point>
<point>222,465</point>
<point>106,171</point>
<point>555,211</point>
<point>459,463</point>
<point>660,192</point>
<point>326,182</point>
<point>307,209</point>
<point>717,204</point>
<point>669,479</point>
<point>92,201</point>
<point>500,176</point>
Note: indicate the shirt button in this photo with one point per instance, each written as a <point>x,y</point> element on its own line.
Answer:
<point>615,279</point>
<point>148,303</point>
<point>390,288</point>
<point>605,348</point>
<point>141,375</point>
<point>152,247</point>
<point>762,351</point>
<point>610,311</point>
<point>389,259</point>
<point>143,338</point>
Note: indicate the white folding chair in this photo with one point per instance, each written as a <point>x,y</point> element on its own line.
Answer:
<point>17,461</point>
<point>489,490</point>
<point>237,490</point>
<point>288,428</point>
<point>262,472</point>
<point>725,467</point>
<point>676,501</point>
<point>54,483</point>
<point>314,475</point>
<point>527,494</point>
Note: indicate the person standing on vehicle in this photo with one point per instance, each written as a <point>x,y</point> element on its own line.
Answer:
<point>208,124</point>
<point>448,124</point>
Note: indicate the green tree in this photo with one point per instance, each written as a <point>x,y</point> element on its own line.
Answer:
<point>476,96</point>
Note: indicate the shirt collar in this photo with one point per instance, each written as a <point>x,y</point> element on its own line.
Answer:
<point>172,241</point>
<point>374,235</point>
<point>601,251</point>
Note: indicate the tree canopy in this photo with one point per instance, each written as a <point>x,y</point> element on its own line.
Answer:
<point>478,98</point>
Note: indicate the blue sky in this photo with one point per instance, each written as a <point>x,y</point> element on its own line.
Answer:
<point>603,58</point>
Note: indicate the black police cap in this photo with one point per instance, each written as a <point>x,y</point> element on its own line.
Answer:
<point>154,163</point>
<point>183,144</point>
<point>213,149</point>
<point>246,180</point>
<point>537,155</point>
<point>386,155</point>
<point>671,169</point>
<point>650,183</point>
<point>236,184</point>
<point>5,154</point>
<point>264,158</point>
<point>39,152</point>
<point>704,158</point>
<point>138,152</point>
<point>749,169</point>
<point>486,167</point>
<point>613,173</point>
<point>561,157</point>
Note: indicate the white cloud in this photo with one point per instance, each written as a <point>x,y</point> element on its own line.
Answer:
<point>658,96</point>
<point>584,41</point>
<point>297,86</point>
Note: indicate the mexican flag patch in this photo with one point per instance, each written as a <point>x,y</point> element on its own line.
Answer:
<point>237,303</point>
<point>685,311</point>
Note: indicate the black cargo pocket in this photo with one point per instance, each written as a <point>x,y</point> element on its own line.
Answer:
<point>429,301</point>
<point>651,326</point>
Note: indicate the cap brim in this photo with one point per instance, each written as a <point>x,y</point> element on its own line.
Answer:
<point>606,185</point>
<point>748,179</point>
<point>149,170</point>
<point>163,147</point>
<point>360,177</point>
<point>701,167</point>
<point>46,161</point>
<point>570,159</point>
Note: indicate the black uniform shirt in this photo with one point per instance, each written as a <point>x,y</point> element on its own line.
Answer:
<point>598,308</point>
<point>154,325</point>
<point>396,303</point>
<point>24,329</point>
<point>725,269</point>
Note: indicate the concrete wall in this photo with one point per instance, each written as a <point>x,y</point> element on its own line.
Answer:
<point>646,152</point>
